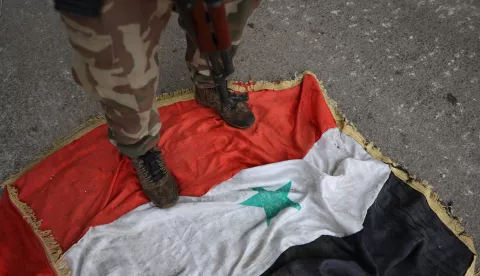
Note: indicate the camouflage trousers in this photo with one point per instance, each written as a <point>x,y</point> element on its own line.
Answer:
<point>115,61</point>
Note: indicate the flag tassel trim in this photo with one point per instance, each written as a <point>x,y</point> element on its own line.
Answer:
<point>54,252</point>
<point>50,245</point>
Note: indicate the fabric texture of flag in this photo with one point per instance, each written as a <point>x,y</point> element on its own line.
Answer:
<point>300,193</point>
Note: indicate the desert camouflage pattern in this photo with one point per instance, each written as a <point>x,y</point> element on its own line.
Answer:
<point>115,61</point>
<point>238,12</point>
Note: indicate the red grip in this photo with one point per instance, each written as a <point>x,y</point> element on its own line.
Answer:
<point>204,35</point>
<point>218,16</point>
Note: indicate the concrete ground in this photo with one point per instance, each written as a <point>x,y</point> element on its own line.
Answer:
<point>406,72</point>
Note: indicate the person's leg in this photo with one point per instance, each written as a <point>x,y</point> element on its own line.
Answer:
<point>238,12</point>
<point>115,61</point>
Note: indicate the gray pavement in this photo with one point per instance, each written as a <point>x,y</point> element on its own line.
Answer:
<point>407,73</point>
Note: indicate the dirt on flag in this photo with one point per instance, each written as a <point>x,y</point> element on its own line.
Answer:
<point>299,193</point>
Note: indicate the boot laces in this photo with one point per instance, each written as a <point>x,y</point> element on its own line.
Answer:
<point>234,99</point>
<point>153,166</point>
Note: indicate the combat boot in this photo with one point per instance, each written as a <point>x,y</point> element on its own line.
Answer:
<point>237,115</point>
<point>156,180</point>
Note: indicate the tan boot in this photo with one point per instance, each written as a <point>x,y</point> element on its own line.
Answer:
<point>238,116</point>
<point>156,180</point>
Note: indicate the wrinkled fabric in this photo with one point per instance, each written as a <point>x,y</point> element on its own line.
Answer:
<point>89,183</point>
<point>401,236</point>
<point>242,225</point>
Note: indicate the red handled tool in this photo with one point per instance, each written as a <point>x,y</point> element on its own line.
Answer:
<point>209,21</point>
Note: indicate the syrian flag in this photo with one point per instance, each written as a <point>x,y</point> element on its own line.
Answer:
<point>300,193</point>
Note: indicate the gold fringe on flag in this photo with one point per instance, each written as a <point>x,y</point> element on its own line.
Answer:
<point>54,252</point>
<point>50,245</point>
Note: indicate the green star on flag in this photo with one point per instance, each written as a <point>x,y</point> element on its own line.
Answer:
<point>272,202</point>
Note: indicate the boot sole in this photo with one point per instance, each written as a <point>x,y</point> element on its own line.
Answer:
<point>239,127</point>
<point>167,206</point>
